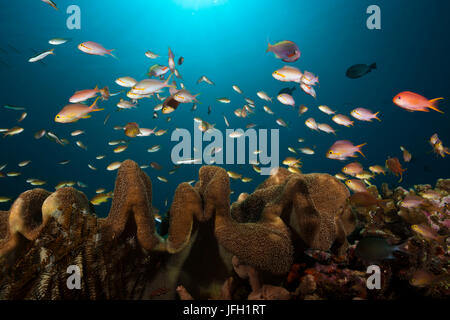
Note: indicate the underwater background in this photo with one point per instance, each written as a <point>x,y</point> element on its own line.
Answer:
<point>225,40</point>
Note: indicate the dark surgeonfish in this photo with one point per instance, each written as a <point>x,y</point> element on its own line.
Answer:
<point>287,90</point>
<point>374,249</point>
<point>359,70</point>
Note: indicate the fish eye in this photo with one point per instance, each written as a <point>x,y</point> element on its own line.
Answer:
<point>399,98</point>
<point>330,152</point>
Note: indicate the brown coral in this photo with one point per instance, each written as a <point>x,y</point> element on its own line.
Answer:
<point>131,209</point>
<point>123,256</point>
<point>313,205</point>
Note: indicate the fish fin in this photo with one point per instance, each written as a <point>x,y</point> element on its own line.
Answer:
<point>97,109</point>
<point>94,104</point>
<point>403,247</point>
<point>373,66</point>
<point>401,177</point>
<point>360,146</point>
<point>110,53</point>
<point>433,103</point>
<point>86,117</point>
<point>376,116</point>
<point>167,81</point>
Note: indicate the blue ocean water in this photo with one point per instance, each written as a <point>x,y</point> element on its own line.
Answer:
<point>225,40</point>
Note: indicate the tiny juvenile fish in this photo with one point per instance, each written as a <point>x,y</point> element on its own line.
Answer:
<point>81,145</point>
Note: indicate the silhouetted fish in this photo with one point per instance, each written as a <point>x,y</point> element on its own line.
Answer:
<point>359,70</point>
<point>287,90</point>
<point>374,249</point>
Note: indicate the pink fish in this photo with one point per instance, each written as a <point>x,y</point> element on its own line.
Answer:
<point>411,201</point>
<point>364,114</point>
<point>87,94</point>
<point>353,169</point>
<point>415,102</point>
<point>343,149</point>
<point>356,185</point>
<point>342,120</point>
<point>285,50</point>
<point>308,90</point>
<point>286,99</point>
<point>94,48</point>
<point>309,79</point>
<point>326,128</point>
<point>84,95</point>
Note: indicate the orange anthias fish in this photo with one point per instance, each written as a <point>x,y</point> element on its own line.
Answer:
<point>415,102</point>
<point>76,111</point>
<point>395,166</point>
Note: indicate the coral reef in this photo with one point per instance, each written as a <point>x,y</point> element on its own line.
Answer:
<point>297,236</point>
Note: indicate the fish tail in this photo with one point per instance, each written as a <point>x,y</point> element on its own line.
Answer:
<point>52,51</point>
<point>373,66</point>
<point>376,116</point>
<point>110,53</point>
<point>433,104</point>
<point>269,46</point>
<point>403,247</point>
<point>401,177</point>
<point>359,149</point>
<point>93,106</point>
<point>167,81</point>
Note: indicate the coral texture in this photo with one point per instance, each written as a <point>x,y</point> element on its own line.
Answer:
<point>289,239</point>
